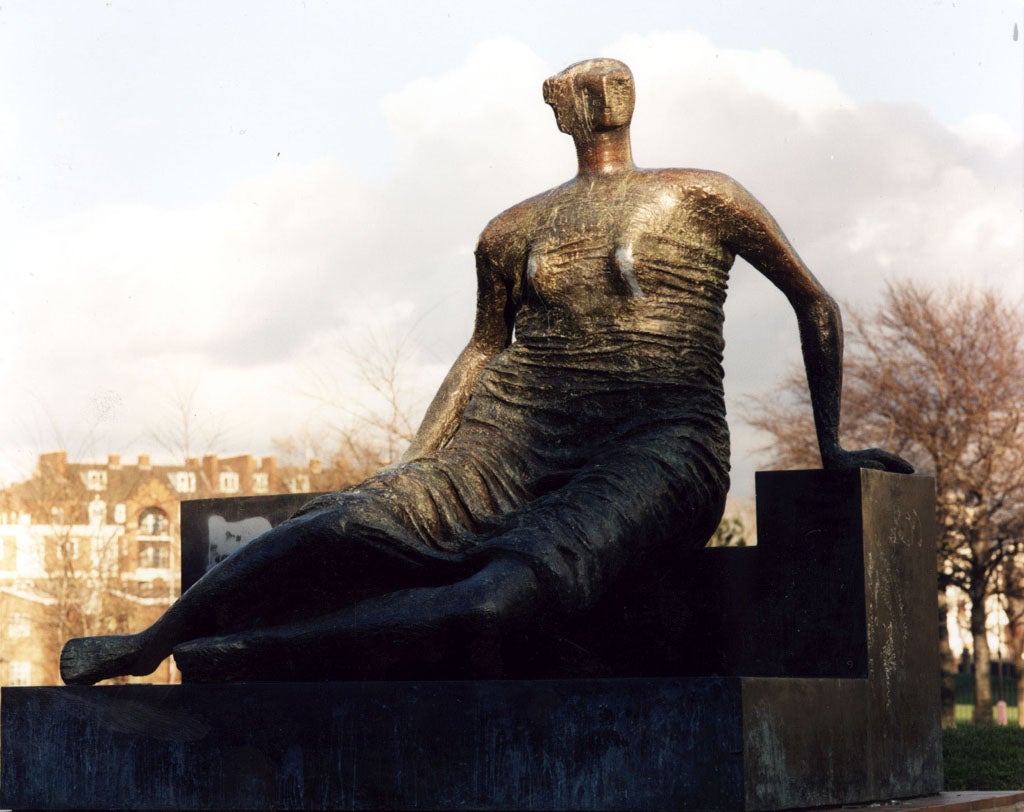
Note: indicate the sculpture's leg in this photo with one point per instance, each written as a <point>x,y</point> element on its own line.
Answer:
<point>304,567</point>
<point>578,538</point>
<point>403,628</point>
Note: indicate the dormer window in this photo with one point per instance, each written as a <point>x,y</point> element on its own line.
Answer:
<point>229,482</point>
<point>185,481</point>
<point>96,480</point>
<point>261,482</point>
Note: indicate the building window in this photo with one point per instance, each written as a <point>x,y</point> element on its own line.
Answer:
<point>57,515</point>
<point>154,555</point>
<point>96,480</point>
<point>185,481</point>
<point>153,522</point>
<point>19,625</point>
<point>29,557</point>
<point>229,482</point>
<point>120,514</point>
<point>300,483</point>
<point>97,511</point>
<point>67,549</point>
<point>19,673</point>
<point>261,482</point>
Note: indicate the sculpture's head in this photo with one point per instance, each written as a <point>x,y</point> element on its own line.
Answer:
<point>591,96</point>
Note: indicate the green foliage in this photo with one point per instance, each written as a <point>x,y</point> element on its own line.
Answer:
<point>983,759</point>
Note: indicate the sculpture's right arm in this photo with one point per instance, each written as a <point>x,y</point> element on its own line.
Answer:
<point>492,332</point>
<point>754,234</point>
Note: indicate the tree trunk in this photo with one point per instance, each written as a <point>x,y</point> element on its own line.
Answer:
<point>947,666</point>
<point>1020,698</point>
<point>982,665</point>
<point>1014,651</point>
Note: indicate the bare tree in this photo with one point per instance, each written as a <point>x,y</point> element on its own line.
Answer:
<point>369,412</point>
<point>185,428</point>
<point>938,377</point>
<point>78,554</point>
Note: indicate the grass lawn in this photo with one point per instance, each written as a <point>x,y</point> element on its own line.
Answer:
<point>965,713</point>
<point>978,758</point>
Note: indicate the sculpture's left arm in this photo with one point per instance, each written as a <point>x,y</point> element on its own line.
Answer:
<point>753,233</point>
<point>492,332</point>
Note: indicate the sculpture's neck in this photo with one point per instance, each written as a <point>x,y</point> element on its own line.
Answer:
<point>604,152</point>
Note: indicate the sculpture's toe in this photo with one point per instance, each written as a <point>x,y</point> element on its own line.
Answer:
<point>86,660</point>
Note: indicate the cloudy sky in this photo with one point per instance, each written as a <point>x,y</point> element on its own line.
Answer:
<point>226,199</point>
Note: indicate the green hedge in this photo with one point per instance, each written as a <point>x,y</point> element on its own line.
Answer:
<point>978,758</point>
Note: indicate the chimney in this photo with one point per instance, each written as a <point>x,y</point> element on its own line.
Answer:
<point>55,463</point>
<point>192,463</point>
<point>211,468</point>
<point>268,465</point>
<point>144,462</point>
<point>248,468</point>
<point>113,461</point>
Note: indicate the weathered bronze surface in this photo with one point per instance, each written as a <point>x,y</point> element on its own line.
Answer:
<point>581,431</point>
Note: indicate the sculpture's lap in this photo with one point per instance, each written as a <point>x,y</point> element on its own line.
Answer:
<point>440,518</point>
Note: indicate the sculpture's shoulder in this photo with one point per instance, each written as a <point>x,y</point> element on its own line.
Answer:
<point>695,182</point>
<point>505,239</point>
<point>706,197</point>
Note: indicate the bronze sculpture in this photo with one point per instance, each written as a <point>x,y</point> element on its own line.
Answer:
<point>582,428</point>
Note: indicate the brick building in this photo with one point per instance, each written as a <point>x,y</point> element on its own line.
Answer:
<point>93,547</point>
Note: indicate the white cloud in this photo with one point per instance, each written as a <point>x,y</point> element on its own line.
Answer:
<point>989,132</point>
<point>249,289</point>
<point>670,66</point>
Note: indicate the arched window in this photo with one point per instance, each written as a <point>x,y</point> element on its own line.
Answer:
<point>153,522</point>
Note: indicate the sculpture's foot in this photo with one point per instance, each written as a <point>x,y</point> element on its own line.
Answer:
<point>86,660</point>
<point>218,659</point>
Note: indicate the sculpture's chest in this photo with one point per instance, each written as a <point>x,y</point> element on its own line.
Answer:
<point>590,257</point>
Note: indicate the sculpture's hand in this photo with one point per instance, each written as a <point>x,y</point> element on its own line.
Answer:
<point>874,458</point>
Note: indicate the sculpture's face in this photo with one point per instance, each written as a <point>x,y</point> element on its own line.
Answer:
<point>589,96</point>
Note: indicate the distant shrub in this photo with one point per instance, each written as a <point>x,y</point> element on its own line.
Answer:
<point>977,758</point>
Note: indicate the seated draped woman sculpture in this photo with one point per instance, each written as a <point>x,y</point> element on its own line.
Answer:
<point>580,433</point>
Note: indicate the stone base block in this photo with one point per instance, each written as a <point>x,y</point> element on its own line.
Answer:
<point>594,744</point>
<point>821,642</point>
